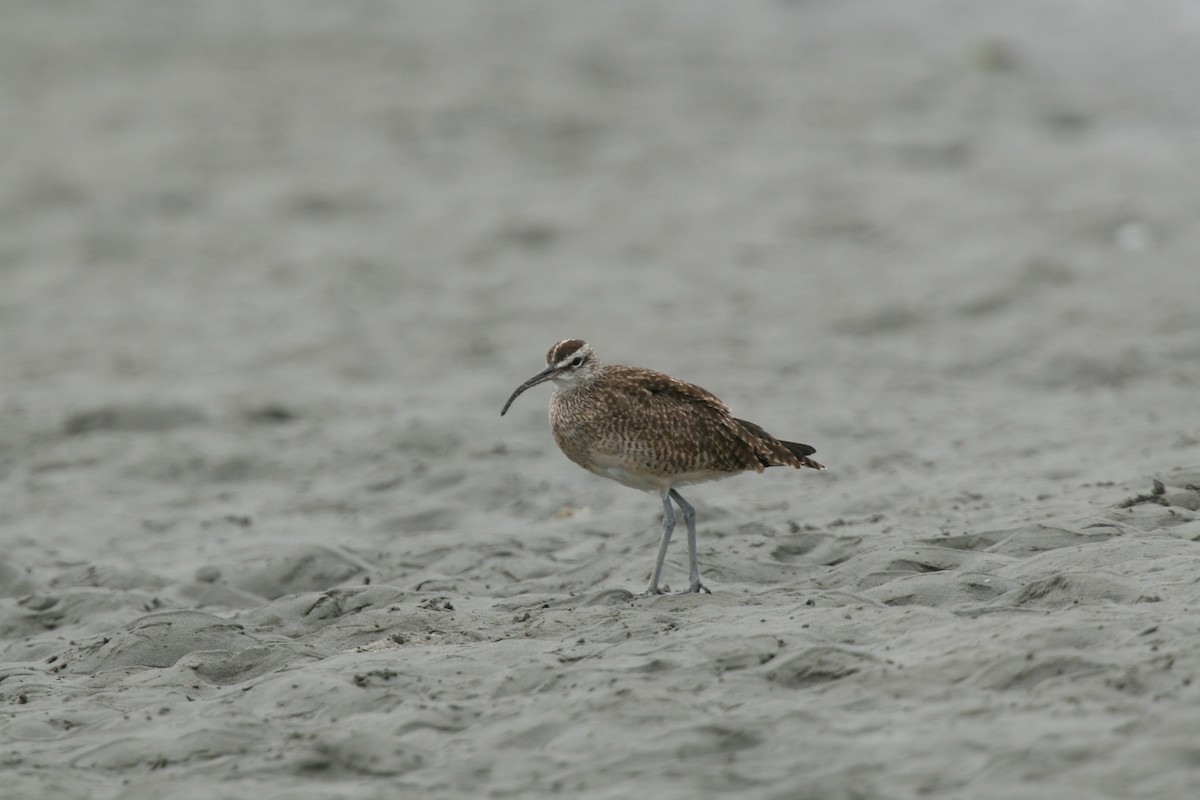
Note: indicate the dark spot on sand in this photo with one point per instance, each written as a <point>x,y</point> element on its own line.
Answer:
<point>1156,495</point>
<point>436,604</point>
<point>364,679</point>
<point>270,414</point>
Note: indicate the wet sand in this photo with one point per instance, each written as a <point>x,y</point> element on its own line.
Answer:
<point>269,270</point>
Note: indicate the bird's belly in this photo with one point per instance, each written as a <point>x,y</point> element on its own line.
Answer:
<point>646,479</point>
<point>631,478</point>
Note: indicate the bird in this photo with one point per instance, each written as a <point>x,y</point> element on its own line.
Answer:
<point>649,431</point>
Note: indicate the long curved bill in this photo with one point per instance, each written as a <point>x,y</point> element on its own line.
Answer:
<point>541,377</point>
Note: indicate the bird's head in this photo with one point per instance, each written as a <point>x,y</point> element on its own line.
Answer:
<point>568,363</point>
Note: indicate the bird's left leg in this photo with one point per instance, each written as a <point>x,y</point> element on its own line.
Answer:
<point>689,517</point>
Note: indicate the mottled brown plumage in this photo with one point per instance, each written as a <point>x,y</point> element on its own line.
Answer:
<point>650,431</point>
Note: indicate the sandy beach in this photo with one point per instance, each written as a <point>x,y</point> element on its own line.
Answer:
<point>269,270</point>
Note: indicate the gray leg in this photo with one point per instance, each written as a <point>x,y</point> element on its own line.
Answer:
<point>689,517</point>
<point>668,528</point>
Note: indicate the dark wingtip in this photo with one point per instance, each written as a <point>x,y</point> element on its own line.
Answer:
<point>799,450</point>
<point>802,452</point>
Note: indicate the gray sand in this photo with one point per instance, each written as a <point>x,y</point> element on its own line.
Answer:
<point>268,270</point>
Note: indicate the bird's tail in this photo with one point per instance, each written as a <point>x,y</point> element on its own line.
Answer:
<point>774,452</point>
<point>802,453</point>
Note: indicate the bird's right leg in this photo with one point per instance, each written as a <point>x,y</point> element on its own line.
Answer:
<point>689,516</point>
<point>668,529</point>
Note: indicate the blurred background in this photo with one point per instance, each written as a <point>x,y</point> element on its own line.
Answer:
<point>924,236</point>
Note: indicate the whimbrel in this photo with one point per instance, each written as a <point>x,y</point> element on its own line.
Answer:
<point>650,431</point>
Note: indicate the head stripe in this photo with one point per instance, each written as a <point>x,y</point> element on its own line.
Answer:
<point>562,353</point>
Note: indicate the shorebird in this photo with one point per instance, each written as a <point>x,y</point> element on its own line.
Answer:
<point>650,431</point>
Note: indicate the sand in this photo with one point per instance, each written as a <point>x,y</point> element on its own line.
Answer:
<point>268,271</point>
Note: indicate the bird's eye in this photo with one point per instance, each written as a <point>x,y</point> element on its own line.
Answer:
<point>576,361</point>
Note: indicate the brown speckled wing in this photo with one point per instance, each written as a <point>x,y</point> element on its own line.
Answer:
<point>671,425</point>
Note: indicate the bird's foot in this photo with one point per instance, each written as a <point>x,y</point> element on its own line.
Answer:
<point>695,588</point>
